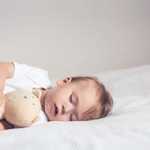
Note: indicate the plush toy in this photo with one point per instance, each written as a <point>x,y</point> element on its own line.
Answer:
<point>22,107</point>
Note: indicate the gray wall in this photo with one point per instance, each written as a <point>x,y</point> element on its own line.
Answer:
<point>75,36</point>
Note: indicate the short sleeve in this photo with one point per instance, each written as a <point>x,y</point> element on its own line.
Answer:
<point>26,76</point>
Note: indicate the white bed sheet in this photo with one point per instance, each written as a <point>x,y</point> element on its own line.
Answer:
<point>127,128</point>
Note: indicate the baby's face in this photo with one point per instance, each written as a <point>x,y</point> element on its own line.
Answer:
<point>69,101</point>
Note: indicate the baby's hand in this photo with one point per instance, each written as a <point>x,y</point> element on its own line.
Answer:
<point>2,105</point>
<point>2,127</point>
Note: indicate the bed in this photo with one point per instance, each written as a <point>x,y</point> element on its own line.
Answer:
<point>127,128</point>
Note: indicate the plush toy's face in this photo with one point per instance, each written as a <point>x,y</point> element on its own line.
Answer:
<point>22,108</point>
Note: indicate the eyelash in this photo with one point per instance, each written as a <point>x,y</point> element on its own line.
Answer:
<point>71,118</point>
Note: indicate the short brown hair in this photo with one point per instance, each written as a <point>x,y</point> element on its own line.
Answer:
<point>105,99</point>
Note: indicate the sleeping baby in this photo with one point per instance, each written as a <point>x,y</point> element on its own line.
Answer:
<point>74,98</point>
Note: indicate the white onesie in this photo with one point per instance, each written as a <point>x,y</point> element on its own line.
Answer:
<point>28,77</point>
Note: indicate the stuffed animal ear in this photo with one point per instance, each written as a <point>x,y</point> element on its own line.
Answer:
<point>37,92</point>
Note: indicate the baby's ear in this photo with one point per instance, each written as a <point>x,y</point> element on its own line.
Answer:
<point>64,81</point>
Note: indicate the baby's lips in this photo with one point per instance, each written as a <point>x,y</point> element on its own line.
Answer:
<point>54,109</point>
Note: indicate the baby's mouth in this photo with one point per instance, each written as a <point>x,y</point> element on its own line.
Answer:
<point>52,109</point>
<point>55,110</point>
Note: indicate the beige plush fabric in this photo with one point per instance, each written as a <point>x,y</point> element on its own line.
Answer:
<point>22,108</point>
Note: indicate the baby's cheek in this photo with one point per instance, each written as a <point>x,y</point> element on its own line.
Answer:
<point>47,110</point>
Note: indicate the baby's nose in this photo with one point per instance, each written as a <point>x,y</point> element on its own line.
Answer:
<point>63,110</point>
<point>66,109</point>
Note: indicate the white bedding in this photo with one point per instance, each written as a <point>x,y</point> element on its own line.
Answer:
<point>128,128</point>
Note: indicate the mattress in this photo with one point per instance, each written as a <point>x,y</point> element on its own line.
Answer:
<point>127,128</point>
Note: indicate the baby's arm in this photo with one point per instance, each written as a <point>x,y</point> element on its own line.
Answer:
<point>6,71</point>
<point>2,105</point>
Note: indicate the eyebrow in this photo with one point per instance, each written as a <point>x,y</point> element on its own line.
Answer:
<point>91,111</point>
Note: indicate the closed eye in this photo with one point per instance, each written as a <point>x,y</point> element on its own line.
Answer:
<point>73,99</point>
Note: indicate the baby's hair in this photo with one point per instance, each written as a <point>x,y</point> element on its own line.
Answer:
<point>104,99</point>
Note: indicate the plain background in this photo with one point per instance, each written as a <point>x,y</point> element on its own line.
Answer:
<point>70,37</point>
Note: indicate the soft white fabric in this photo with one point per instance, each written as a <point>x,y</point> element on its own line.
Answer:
<point>128,128</point>
<point>28,77</point>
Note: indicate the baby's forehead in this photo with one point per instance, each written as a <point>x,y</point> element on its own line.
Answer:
<point>87,85</point>
<point>88,89</point>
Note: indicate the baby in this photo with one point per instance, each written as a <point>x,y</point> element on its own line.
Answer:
<point>72,99</point>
